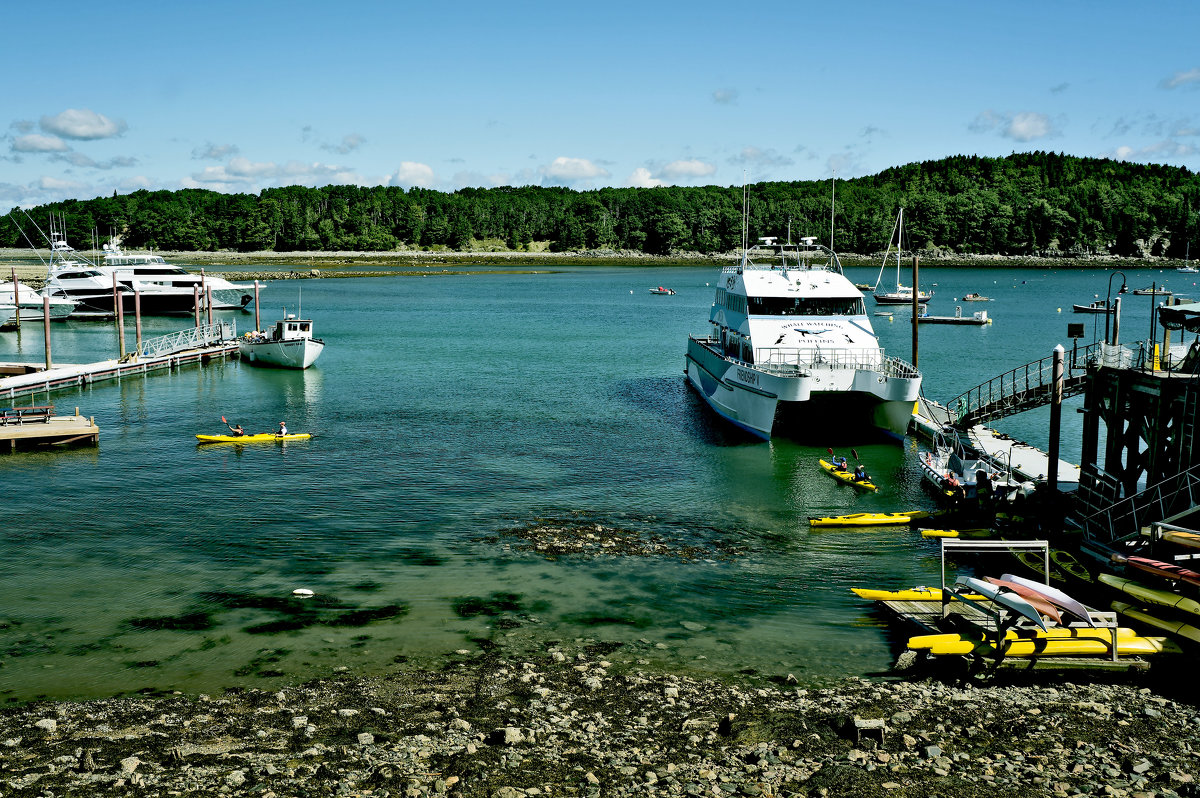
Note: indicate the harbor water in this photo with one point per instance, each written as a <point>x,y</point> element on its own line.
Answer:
<point>461,422</point>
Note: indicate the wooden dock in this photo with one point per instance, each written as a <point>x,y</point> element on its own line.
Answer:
<point>36,427</point>
<point>201,345</point>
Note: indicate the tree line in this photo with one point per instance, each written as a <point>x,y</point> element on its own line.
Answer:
<point>1038,204</point>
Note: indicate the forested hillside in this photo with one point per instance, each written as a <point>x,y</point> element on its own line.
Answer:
<point>1026,204</point>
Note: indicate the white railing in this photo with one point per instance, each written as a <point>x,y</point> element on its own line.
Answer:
<point>191,338</point>
<point>787,360</point>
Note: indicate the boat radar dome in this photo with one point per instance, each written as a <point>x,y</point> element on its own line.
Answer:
<point>768,240</point>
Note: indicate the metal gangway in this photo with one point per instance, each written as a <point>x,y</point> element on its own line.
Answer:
<point>1123,520</point>
<point>192,338</point>
<point>1032,385</point>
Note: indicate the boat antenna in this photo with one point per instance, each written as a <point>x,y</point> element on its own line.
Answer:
<point>745,211</point>
<point>832,201</point>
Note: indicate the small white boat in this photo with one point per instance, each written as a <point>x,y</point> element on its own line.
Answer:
<point>289,345</point>
<point>30,304</point>
<point>1188,270</point>
<point>6,313</point>
<point>951,475</point>
<point>976,298</point>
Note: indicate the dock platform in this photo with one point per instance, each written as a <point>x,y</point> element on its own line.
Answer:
<point>1028,463</point>
<point>36,427</point>
<point>201,345</point>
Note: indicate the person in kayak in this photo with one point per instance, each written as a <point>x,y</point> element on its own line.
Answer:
<point>282,428</point>
<point>840,464</point>
<point>237,430</point>
<point>860,473</point>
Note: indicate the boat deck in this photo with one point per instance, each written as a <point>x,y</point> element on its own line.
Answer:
<point>1028,463</point>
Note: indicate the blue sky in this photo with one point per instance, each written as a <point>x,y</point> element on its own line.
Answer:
<point>237,97</point>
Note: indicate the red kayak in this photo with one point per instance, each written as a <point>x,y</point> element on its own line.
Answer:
<point>1165,570</point>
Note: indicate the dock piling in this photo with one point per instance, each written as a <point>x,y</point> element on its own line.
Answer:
<point>16,298</point>
<point>137,315</point>
<point>46,324</point>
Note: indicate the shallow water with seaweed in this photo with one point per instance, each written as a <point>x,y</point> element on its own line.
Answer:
<point>500,459</point>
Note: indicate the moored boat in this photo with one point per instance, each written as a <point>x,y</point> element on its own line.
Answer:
<point>663,291</point>
<point>31,305</point>
<point>1152,291</point>
<point>903,295</point>
<point>289,344</point>
<point>1099,306</point>
<point>791,350</point>
<point>976,298</point>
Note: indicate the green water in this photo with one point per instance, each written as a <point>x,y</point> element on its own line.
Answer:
<point>448,410</point>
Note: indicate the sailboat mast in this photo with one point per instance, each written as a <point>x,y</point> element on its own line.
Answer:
<point>832,206</point>
<point>899,239</point>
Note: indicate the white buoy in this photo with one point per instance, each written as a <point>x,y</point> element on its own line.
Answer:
<point>302,592</point>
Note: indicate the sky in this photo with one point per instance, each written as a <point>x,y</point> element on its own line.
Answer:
<point>241,96</point>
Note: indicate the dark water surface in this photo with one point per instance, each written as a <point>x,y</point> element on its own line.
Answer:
<point>448,410</point>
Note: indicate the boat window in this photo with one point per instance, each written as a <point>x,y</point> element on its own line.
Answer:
<point>735,303</point>
<point>77,275</point>
<point>168,270</point>
<point>806,306</point>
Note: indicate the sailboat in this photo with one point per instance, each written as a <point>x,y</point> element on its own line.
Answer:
<point>903,295</point>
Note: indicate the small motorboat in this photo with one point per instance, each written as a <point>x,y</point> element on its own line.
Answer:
<point>663,291</point>
<point>976,298</point>
<point>1152,291</point>
<point>1099,306</point>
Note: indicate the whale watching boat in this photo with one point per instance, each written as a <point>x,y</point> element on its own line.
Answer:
<point>792,351</point>
<point>903,295</point>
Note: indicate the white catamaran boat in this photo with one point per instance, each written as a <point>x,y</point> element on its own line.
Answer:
<point>290,345</point>
<point>792,351</point>
<point>903,295</point>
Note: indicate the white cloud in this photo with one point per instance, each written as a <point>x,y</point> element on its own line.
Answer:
<point>412,174</point>
<point>725,96</point>
<point>754,156</point>
<point>1192,76</point>
<point>214,152</point>
<point>83,124</point>
<point>36,142</point>
<point>47,183</point>
<point>571,170</point>
<point>348,144</point>
<point>1021,126</point>
<point>1158,151</point>
<point>242,173</point>
<point>688,169</point>
<point>79,159</point>
<point>641,178</point>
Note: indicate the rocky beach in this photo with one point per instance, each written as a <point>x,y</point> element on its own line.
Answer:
<point>578,719</point>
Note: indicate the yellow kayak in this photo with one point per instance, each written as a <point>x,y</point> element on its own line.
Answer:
<point>869,519</point>
<point>911,594</point>
<point>846,477</point>
<point>1163,598</point>
<point>1174,627</point>
<point>264,437</point>
<point>1054,633</point>
<point>1061,646</point>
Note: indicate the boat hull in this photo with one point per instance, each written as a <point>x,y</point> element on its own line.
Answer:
<point>810,403</point>
<point>299,353</point>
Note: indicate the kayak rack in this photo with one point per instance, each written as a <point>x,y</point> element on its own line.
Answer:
<point>954,612</point>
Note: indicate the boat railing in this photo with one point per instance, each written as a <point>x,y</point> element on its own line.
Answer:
<point>788,360</point>
<point>191,338</point>
<point>771,256</point>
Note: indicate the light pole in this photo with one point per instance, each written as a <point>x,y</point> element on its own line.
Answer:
<point>1108,310</point>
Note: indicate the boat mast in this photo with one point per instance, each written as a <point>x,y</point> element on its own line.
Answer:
<point>832,201</point>
<point>899,239</point>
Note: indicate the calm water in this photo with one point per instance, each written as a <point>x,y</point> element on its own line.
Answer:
<point>449,409</point>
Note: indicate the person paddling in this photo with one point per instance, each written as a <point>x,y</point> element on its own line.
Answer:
<point>236,429</point>
<point>282,428</point>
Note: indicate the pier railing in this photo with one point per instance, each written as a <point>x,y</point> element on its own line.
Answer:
<point>792,360</point>
<point>191,338</point>
<point>1125,518</point>
<point>1032,384</point>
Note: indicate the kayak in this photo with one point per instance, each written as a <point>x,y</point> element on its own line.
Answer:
<point>1059,647</point>
<point>869,519</point>
<point>1056,633</point>
<point>911,594</point>
<point>846,476</point>
<point>264,437</point>
<point>1174,627</point>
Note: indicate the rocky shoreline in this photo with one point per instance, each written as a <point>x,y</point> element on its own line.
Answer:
<point>569,721</point>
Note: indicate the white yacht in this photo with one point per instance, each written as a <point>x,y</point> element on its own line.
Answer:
<point>6,313</point>
<point>71,278</point>
<point>30,303</point>
<point>792,351</point>
<point>150,272</point>
<point>290,345</point>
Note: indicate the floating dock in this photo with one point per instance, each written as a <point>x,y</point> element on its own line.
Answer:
<point>36,426</point>
<point>978,318</point>
<point>194,345</point>
<point>1028,463</point>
